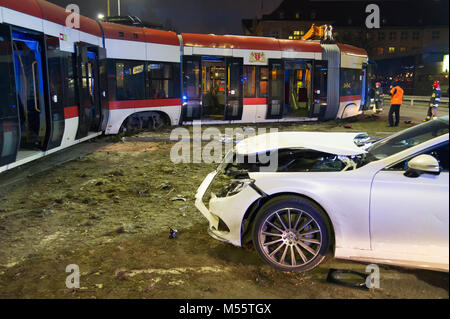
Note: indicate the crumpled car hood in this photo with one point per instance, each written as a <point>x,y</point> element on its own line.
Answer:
<point>332,143</point>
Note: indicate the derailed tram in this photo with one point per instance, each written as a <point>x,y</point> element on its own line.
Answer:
<point>61,86</point>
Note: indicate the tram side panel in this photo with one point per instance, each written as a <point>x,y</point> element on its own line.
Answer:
<point>351,79</point>
<point>37,53</point>
<point>143,77</point>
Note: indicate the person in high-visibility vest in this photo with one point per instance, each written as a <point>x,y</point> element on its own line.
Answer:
<point>396,101</point>
<point>434,102</point>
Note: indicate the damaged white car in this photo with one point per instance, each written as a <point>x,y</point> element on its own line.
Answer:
<point>383,203</point>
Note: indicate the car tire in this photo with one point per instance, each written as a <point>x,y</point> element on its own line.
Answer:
<point>300,244</point>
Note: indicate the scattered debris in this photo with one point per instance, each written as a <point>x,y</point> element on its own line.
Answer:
<point>94,216</point>
<point>348,126</point>
<point>165,186</point>
<point>121,273</point>
<point>46,212</point>
<point>120,230</point>
<point>174,199</point>
<point>87,223</point>
<point>173,233</point>
<point>346,278</point>
<point>183,208</point>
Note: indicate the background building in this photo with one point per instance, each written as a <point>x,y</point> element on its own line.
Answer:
<point>411,46</point>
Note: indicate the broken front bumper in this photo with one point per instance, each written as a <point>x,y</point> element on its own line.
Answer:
<point>228,210</point>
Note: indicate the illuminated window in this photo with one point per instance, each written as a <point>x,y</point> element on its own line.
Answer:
<point>380,51</point>
<point>249,81</point>
<point>402,49</point>
<point>130,80</point>
<point>255,81</point>
<point>296,35</point>
<point>391,49</point>
<point>297,15</point>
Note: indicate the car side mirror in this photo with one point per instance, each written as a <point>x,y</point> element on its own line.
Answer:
<point>422,164</point>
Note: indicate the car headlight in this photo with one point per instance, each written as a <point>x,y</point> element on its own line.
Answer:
<point>235,187</point>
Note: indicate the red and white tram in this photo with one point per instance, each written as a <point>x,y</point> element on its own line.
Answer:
<point>61,86</point>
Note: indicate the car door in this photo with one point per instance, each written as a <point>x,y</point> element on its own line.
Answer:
<point>409,217</point>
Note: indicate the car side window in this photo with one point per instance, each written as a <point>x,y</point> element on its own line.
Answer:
<point>440,152</point>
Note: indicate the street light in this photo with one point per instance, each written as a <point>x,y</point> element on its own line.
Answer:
<point>100,16</point>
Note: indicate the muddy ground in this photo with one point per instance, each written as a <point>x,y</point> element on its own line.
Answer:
<point>110,212</point>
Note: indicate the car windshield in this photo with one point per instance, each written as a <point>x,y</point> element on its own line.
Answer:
<point>407,139</point>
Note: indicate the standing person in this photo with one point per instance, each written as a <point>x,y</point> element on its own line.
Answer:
<point>378,97</point>
<point>396,102</point>
<point>434,102</point>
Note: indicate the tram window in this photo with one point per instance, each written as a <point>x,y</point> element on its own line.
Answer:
<point>249,81</point>
<point>192,79</point>
<point>163,80</point>
<point>263,81</point>
<point>69,73</point>
<point>256,81</point>
<point>130,80</point>
<point>351,82</point>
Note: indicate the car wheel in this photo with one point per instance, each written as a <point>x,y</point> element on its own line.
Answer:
<point>291,234</point>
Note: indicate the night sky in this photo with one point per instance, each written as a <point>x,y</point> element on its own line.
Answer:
<point>196,16</point>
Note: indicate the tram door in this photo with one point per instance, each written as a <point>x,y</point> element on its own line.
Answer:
<point>298,88</point>
<point>88,90</point>
<point>9,118</point>
<point>56,91</point>
<point>234,101</point>
<point>29,65</point>
<point>192,88</point>
<point>320,89</point>
<point>214,77</point>
<point>276,89</point>
<point>103,79</point>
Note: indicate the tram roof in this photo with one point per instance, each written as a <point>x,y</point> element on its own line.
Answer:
<point>300,45</point>
<point>350,49</point>
<point>132,33</point>
<point>229,42</point>
<point>48,11</point>
<point>249,43</point>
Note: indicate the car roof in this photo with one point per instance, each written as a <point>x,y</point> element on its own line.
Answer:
<point>338,143</point>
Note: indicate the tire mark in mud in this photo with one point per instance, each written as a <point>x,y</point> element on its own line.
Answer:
<point>179,271</point>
